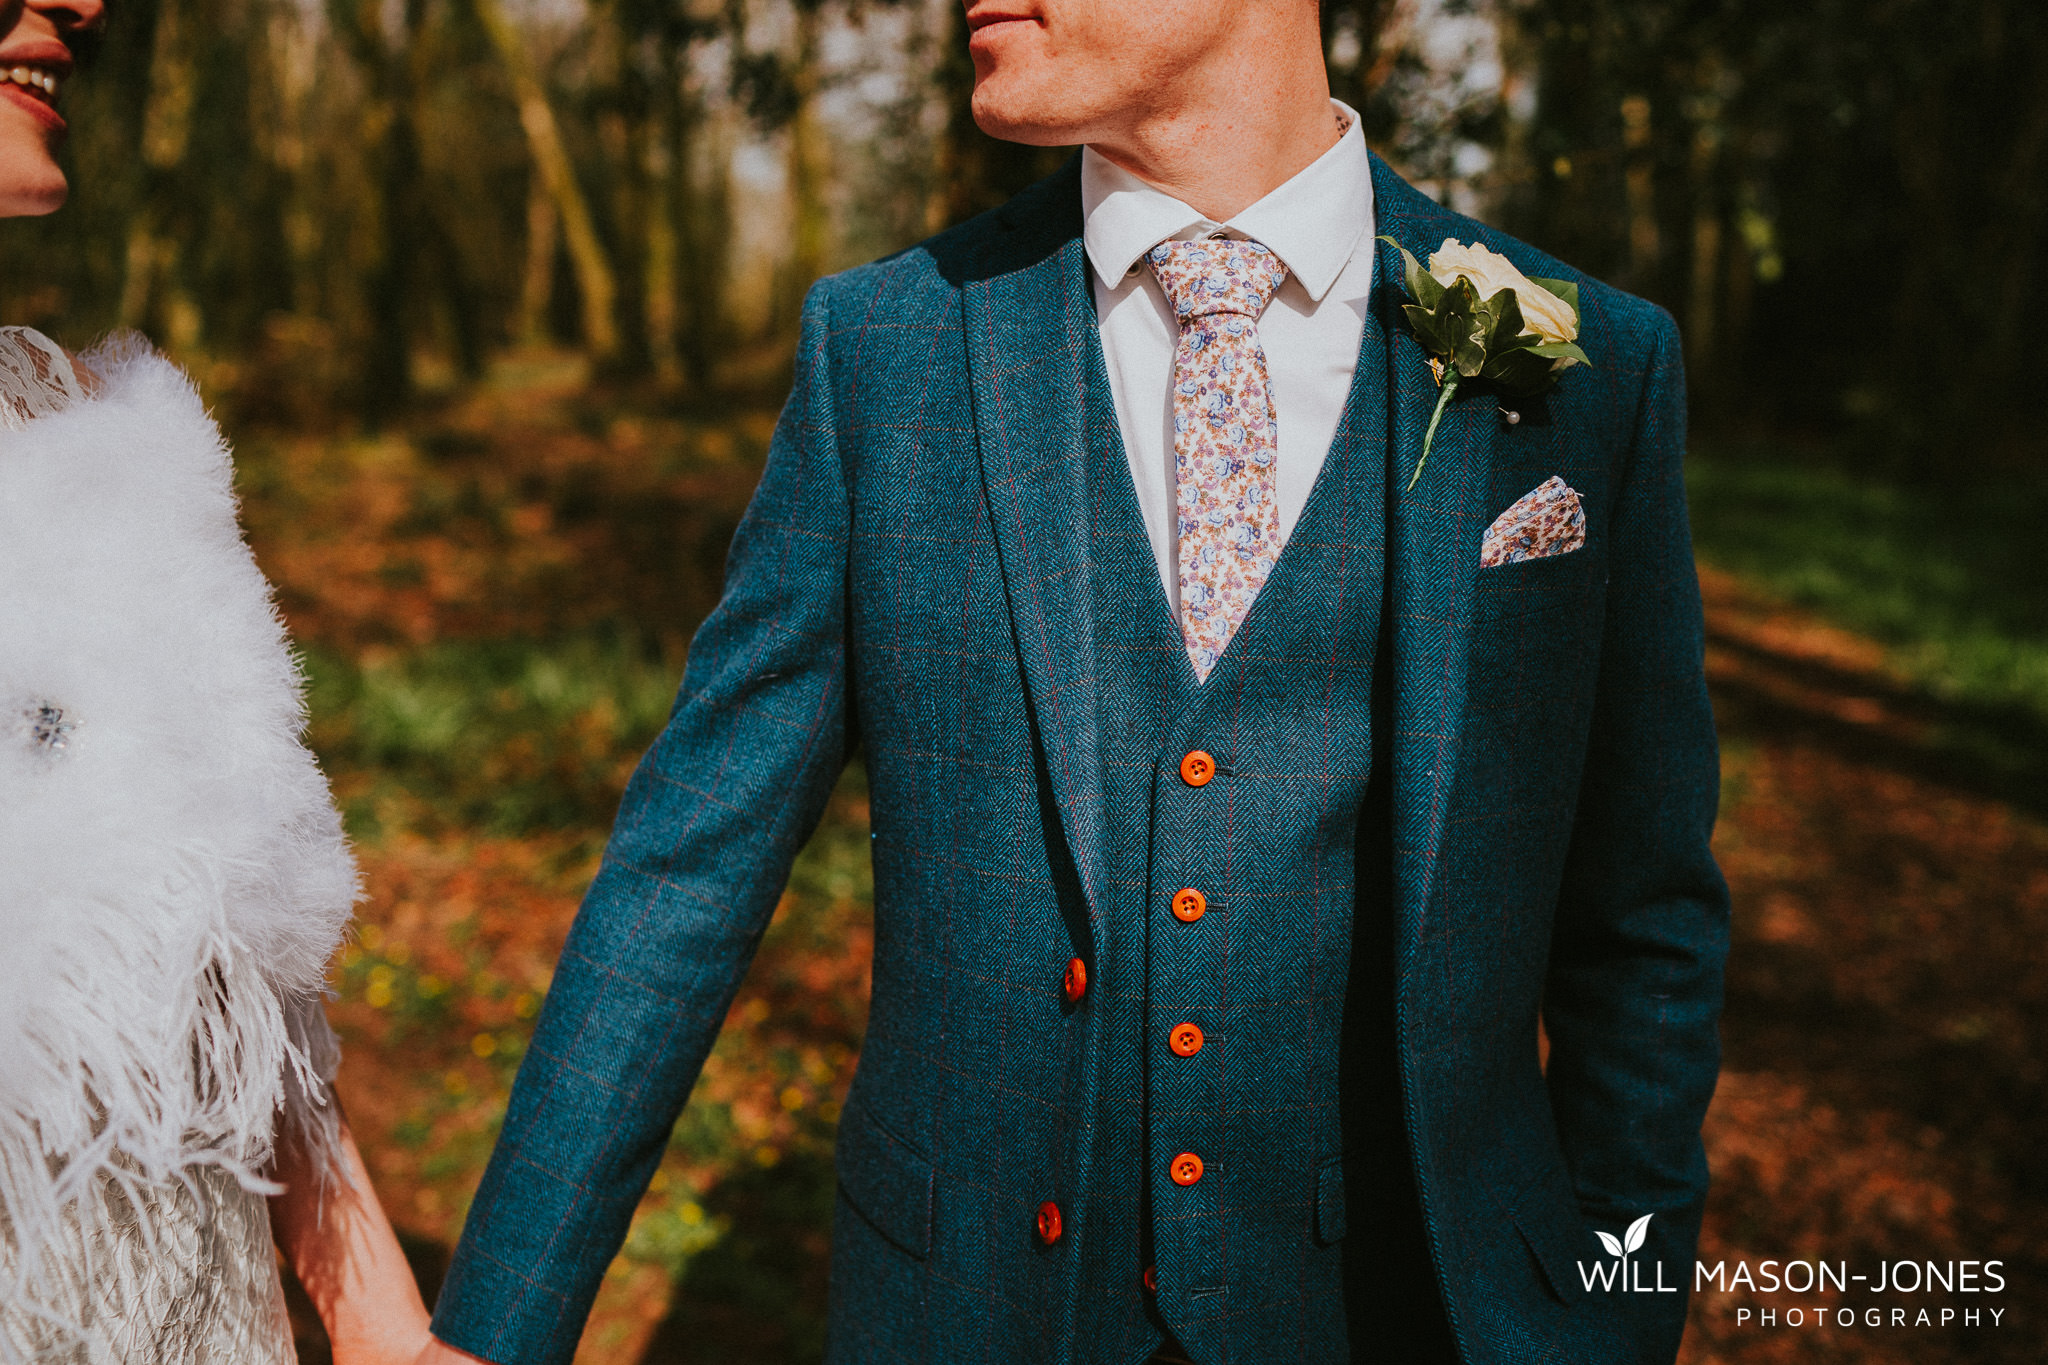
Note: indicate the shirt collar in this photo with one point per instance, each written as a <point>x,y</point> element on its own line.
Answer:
<point>1313,222</point>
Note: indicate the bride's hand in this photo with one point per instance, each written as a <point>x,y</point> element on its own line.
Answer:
<point>344,1252</point>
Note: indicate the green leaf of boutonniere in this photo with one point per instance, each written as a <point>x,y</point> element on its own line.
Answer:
<point>1519,371</point>
<point>1562,350</point>
<point>1422,286</point>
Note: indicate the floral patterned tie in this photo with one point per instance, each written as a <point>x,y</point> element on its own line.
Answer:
<point>1225,439</point>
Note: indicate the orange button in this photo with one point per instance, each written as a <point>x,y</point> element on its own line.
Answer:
<point>1151,1279</point>
<point>1197,768</point>
<point>1185,1169</point>
<point>1189,905</point>
<point>1076,982</point>
<point>1185,1040</point>
<point>1048,1222</point>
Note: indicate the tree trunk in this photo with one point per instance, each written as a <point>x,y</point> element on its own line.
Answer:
<point>151,254</point>
<point>660,225</point>
<point>1702,337</point>
<point>595,280</point>
<point>537,284</point>
<point>1645,246</point>
<point>388,370</point>
<point>704,175</point>
<point>810,229</point>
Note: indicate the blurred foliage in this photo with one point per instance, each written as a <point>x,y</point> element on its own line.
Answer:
<point>345,210</point>
<point>1957,586</point>
<point>1845,202</point>
<point>506,737</point>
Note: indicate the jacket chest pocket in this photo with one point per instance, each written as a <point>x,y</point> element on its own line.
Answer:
<point>1557,583</point>
<point>1535,659</point>
<point>1537,623</point>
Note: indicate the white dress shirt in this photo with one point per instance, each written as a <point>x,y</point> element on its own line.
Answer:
<point>1321,224</point>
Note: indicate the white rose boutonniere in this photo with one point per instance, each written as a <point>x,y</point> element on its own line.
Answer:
<point>1481,319</point>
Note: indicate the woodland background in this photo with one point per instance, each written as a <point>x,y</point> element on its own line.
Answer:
<point>496,299</point>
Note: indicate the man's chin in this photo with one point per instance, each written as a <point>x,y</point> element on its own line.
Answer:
<point>1024,116</point>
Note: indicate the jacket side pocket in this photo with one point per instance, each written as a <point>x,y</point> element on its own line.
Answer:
<point>887,1182</point>
<point>1559,1266</point>
<point>1330,1201</point>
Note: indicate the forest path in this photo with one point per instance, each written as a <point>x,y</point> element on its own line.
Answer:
<point>1884,1084</point>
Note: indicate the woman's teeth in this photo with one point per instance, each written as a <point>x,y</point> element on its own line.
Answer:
<point>33,76</point>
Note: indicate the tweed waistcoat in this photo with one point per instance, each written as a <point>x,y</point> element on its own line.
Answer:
<point>1262,972</point>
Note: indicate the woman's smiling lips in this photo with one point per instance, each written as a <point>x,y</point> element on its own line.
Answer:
<point>31,74</point>
<point>36,106</point>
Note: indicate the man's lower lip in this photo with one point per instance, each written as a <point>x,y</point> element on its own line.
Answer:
<point>996,26</point>
<point>49,117</point>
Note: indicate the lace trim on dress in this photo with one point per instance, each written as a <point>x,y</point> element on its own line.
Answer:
<point>36,377</point>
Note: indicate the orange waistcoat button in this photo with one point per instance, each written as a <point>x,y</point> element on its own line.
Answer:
<point>1076,981</point>
<point>1197,768</point>
<point>1151,1279</point>
<point>1185,1169</point>
<point>1048,1222</point>
<point>1189,905</point>
<point>1185,1040</point>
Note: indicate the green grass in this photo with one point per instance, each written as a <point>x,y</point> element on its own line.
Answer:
<point>1955,581</point>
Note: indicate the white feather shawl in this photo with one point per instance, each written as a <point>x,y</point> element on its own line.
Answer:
<point>173,875</point>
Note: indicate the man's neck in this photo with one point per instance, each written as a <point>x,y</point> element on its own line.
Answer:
<point>1222,158</point>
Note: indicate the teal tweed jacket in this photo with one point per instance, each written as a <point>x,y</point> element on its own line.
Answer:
<point>1529,832</point>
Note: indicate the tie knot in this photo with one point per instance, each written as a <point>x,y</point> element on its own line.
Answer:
<point>1220,275</point>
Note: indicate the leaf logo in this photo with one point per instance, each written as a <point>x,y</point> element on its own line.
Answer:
<point>1609,1277</point>
<point>1630,1241</point>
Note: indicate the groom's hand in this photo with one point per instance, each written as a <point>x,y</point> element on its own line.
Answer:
<point>439,1352</point>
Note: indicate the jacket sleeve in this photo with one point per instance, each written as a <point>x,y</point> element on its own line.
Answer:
<point>702,847</point>
<point>1633,1000</point>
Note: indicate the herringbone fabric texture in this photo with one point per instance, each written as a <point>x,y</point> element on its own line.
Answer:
<point>924,537</point>
<point>1263,972</point>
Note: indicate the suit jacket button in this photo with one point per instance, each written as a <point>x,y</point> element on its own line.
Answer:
<point>1197,768</point>
<point>1189,905</point>
<point>1076,982</point>
<point>1048,1222</point>
<point>1150,1279</point>
<point>1185,1040</point>
<point>1185,1169</point>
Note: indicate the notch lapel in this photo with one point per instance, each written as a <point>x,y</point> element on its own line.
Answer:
<point>1029,320</point>
<point>1433,541</point>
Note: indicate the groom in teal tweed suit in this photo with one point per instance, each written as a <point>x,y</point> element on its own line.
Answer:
<point>1207,1012</point>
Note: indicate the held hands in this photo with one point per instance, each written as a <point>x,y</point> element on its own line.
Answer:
<point>435,1352</point>
<point>345,1253</point>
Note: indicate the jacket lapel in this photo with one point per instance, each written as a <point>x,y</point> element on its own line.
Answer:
<point>1029,320</point>
<point>1433,538</point>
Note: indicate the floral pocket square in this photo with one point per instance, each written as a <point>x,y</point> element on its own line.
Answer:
<point>1547,521</point>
